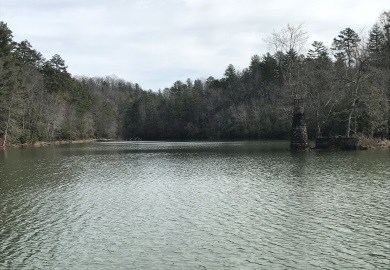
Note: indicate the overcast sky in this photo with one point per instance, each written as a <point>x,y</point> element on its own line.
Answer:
<point>157,42</point>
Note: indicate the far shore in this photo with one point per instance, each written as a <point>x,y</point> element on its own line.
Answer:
<point>363,144</point>
<point>43,143</point>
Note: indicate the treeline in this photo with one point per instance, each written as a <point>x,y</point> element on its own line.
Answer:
<point>346,90</point>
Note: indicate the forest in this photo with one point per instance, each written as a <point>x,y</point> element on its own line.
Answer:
<point>346,90</point>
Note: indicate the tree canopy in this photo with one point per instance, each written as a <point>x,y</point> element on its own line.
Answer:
<point>346,93</point>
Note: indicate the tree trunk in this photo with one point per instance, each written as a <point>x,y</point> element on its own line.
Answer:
<point>8,121</point>
<point>349,124</point>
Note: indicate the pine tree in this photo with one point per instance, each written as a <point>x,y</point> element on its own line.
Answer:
<point>346,45</point>
<point>376,39</point>
<point>319,51</point>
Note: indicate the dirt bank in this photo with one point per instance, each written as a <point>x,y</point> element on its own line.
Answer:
<point>372,143</point>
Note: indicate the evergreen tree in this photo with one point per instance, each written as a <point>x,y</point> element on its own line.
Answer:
<point>55,74</point>
<point>376,39</point>
<point>319,51</point>
<point>8,83</point>
<point>384,22</point>
<point>346,45</point>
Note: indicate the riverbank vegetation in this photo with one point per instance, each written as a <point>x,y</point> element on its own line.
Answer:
<point>346,90</point>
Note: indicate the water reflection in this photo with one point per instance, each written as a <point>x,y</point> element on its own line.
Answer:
<point>298,162</point>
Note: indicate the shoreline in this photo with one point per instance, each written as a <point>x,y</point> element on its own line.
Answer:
<point>363,143</point>
<point>44,143</point>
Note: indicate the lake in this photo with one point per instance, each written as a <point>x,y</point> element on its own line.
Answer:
<point>193,205</point>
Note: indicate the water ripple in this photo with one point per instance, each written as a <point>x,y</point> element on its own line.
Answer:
<point>194,206</point>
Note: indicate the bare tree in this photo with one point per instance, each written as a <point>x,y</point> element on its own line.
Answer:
<point>352,58</point>
<point>291,38</point>
<point>288,44</point>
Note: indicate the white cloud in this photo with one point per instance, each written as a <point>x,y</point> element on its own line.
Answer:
<point>155,43</point>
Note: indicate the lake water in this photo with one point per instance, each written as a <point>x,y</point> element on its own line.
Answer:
<point>193,205</point>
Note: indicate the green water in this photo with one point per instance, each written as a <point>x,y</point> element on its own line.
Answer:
<point>193,205</point>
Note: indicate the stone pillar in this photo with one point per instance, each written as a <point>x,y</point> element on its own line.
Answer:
<point>299,140</point>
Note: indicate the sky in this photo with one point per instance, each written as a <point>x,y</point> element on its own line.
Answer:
<point>157,42</point>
